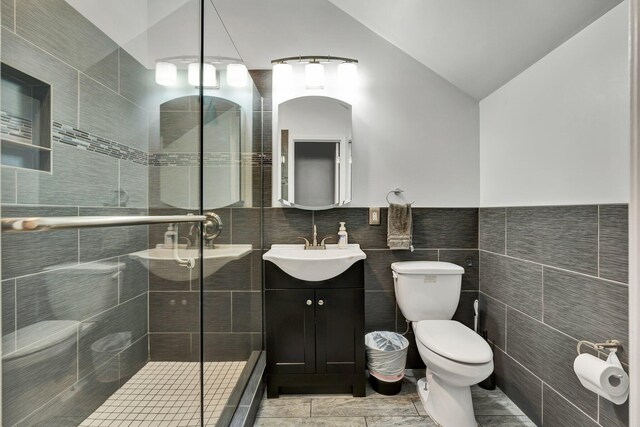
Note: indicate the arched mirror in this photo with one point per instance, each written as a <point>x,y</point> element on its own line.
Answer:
<point>315,141</point>
<point>179,121</point>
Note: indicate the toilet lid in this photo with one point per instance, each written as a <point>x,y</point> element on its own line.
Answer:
<point>40,336</point>
<point>453,340</point>
<point>426,267</point>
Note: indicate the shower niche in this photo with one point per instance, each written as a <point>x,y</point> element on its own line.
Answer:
<point>25,121</point>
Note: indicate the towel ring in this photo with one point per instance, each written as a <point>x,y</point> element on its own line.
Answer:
<point>397,192</point>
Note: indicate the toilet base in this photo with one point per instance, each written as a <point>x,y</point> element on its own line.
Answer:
<point>447,405</point>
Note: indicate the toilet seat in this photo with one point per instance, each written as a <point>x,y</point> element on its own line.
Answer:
<point>454,341</point>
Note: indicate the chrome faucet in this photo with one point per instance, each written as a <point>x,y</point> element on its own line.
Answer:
<point>314,243</point>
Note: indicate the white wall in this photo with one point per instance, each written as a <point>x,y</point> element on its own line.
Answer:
<point>411,128</point>
<point>559,132</point>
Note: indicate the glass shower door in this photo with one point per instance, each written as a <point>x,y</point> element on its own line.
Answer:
<point>101,309</point>
<point>232,187</point>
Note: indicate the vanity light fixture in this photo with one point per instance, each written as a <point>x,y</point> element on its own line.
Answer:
<point>283,74</point>
<point>166,73</point>
<point>314,75</point>
<point>237,75</point>
<point>348,74</point>
<point>209,75</point>
<point>314,70</point>
<point>167,70</point>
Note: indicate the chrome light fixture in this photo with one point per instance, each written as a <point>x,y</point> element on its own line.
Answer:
<point>348,74</point>
<point>314,70</point>
<point>209,75</point>
<point>283,74</point>
<point>314,75</point>
<point>166,73</point>
<point>237,75</point>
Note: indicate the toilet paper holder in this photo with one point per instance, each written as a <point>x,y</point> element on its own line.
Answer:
<point>611,345</point>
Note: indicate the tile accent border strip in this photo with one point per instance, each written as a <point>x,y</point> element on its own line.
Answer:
<point>16,127</point>
<point>78,138</point>
<point>187,159</point>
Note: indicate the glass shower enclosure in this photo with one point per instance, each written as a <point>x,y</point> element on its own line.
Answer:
<point>131,214</point>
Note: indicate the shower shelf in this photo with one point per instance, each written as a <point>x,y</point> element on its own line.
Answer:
<point>25,121</point>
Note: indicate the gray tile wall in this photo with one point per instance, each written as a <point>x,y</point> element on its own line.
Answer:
<point>232,298</point>
<point>550,276</point>
<point>233,295</point>
<point>81,290</point>
<point>439,234</point>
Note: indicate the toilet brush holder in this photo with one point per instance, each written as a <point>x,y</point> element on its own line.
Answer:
<point>488,383</point>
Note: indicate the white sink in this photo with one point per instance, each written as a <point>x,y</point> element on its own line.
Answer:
<point>162,261</point>
<point>314,264</point>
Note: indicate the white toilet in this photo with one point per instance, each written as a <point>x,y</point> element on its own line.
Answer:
<point>428,293</point>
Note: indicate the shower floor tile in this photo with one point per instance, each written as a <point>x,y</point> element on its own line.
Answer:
<point>168,394</point>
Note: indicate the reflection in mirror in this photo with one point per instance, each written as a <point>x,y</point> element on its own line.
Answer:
<point>222,132</point>
<point>315,152</point>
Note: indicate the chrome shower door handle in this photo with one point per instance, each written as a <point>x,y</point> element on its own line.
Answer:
<point>211,227</point>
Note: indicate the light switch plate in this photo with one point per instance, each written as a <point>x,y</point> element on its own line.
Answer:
<point>374,216</point>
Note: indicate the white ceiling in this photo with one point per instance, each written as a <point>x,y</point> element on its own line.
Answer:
<point>476,45</point>
<point>154,29</point>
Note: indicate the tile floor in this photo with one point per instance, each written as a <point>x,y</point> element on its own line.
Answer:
<point>492,408</point>
<point>167,394</point>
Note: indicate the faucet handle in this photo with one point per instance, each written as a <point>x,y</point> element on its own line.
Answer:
<point>306,242</point>
<point>322,241</point>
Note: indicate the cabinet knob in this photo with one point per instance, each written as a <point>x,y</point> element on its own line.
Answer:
<point>321,302</point>
<point>309,302</point>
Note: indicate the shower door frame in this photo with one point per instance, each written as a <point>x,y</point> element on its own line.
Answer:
<point>634,216</point>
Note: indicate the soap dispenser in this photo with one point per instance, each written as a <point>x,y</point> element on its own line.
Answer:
<point>170,237</point>
<point>343,237</point>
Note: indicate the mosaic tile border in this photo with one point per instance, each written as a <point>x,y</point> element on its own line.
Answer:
<point>16,127</point>
<point>78,138</point>
<point>192,159</point>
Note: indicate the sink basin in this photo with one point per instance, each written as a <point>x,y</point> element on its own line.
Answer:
<point>162,262</point>
<point>314,264</point>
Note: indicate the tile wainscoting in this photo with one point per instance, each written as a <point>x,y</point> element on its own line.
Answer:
<point>445,234</point>
<point>550,276</point>
<point>84,283</point>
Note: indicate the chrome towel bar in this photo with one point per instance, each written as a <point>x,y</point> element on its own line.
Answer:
<point>66,222</point>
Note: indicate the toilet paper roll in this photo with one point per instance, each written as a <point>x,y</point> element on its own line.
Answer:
<point>606,378</point>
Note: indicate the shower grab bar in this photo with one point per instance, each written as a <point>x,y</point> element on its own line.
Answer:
<point>66,222</point>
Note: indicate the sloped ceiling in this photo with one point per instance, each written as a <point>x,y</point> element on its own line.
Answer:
<point>478,45</point>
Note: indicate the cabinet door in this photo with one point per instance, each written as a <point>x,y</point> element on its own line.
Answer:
<point>290,331</point>
<point>339,329</point>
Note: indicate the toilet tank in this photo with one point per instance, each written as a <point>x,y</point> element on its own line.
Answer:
<point>93,285</point>
<point>427,290</point>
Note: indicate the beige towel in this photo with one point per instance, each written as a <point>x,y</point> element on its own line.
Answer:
<point>399,226</point>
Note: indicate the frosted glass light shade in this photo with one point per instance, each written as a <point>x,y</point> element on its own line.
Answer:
<point>283,75</point>
<point>314,75</point>
<point>166,73</point>
<point>348,74</point>
<point>209,80</point>
<point>237,75</point>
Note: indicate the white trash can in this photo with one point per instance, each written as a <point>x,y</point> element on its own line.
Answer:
<point>386,360</point>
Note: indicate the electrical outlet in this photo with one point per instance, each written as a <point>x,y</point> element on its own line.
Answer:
<point>374,216</point>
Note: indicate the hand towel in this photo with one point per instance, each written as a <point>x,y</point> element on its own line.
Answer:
<point>399,226</point>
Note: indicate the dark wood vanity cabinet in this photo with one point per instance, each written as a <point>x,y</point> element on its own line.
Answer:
<point>315,333</point>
